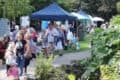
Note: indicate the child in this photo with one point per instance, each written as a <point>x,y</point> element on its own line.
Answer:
<point>69,38</point>
<point>76,42</point>
<point>10,57</point>
<point>13,72</point>
<point>44,42</point>
<point>59,47</point>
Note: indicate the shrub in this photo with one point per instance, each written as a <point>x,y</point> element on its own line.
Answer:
<point>76,70</point>
<point>45,70</point>
<point>115,20</point>
<point>43,67</point>
<point>57,74</point>
<point>71,77</point>
<point>105,45</point>
<point>118,7</point>
<point>111,70</point>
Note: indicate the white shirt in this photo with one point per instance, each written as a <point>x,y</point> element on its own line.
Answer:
<point>55,32</point>
<point>10,58</point>
<point>51,34</point>
<point>69,35</point>
<point>50,37</point>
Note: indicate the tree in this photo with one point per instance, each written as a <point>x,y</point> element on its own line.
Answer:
<point>66,4</point>
<point>115,20</point>
<point>118,7</point>
<point>69,5</point>
<point>103,8</point>
<point>106,45</point>
<point>14,8</point>
<point>39,4</point>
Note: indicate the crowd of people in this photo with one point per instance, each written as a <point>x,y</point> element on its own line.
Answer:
<point>57,38</point>
<point>103,25</point>
<point>17,51</point>
<point>24,44</point>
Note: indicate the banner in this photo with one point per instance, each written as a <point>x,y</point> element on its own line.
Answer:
<point>4,27</point>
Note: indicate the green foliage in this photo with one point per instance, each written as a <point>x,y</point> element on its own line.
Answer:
<point>68,4</point>
<point>57,74</point>
<point>43,67</point>
<point>118,7</point>
<point>94,35</point>
<point>71,77</point>
<point>111,71</point>
<point>108,72</point>
<point>105,44</point>
<point>115,20</point>
<point>15,8</point>
<point>39,4</point>
<point>103,8</point>
<point>74,71</point>
<point>45,70</point>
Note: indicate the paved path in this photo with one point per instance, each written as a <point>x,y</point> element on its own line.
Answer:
<point>65,59</point>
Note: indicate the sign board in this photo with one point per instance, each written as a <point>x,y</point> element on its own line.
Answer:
<point>4,27</point>
<point>25,21</point>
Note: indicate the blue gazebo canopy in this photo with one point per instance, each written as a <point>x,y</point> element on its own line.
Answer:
<point>52,12</point>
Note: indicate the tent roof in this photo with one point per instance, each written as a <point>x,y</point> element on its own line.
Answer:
<point>81,12</point>
<point>98,19</point>
<point>79,16</point>
<point>52,12</point>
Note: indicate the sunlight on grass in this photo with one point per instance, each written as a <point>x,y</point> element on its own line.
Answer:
<point>84,45</point>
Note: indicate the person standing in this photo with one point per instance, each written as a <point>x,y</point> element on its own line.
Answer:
<point>28,51</point>
<point>6,41</point>
<point>34,35</point>
<point>44,41</point>
<point>10,55</point>
<point>69,39</point>
<point>12,27</point>
<point>20,45</point>
<point>51,37</point>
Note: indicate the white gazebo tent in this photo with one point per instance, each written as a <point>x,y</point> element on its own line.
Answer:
<point>79,16</point>
<point>98,19</point>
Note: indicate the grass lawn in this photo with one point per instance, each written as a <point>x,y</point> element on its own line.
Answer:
<point>84,45</point>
